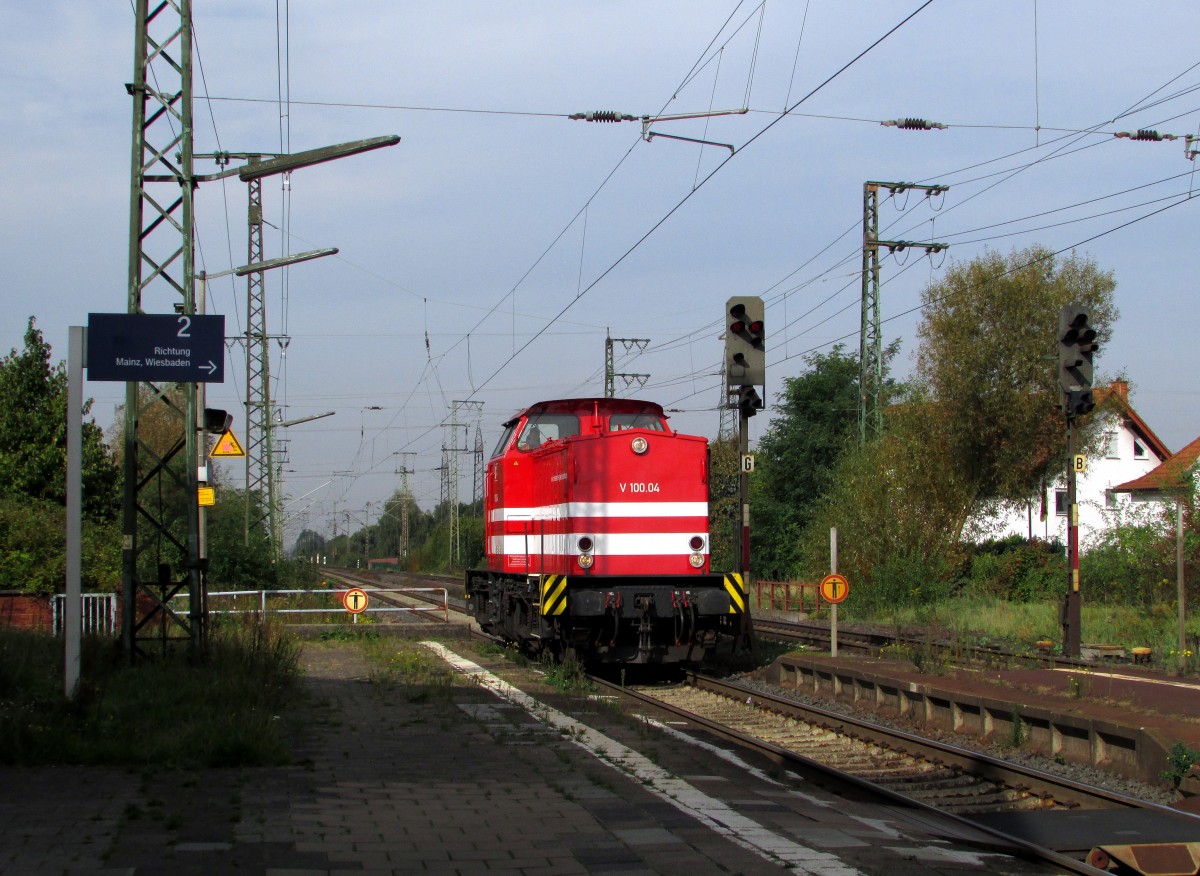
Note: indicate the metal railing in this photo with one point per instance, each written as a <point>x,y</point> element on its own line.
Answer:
<point>99,613</point>
<point>799,596</point>
<point>260,601</point>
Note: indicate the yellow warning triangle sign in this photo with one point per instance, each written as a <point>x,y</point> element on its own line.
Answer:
<point>228,445</point>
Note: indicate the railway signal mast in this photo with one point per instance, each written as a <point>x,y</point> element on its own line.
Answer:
<point>1076,347</point>
<point>745,371</point>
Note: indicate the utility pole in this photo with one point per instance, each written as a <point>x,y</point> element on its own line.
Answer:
<point>870,347</point>
<point>610,374</point>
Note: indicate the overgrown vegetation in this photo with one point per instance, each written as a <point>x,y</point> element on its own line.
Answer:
<point>227,709</point>
<point>1179,763</point>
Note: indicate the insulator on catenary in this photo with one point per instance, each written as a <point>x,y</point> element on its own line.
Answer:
<point>604,116</point>
<point>1146,134</point>
<point>910,124</point>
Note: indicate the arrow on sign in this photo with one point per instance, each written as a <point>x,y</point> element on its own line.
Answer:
<point>211,367</point>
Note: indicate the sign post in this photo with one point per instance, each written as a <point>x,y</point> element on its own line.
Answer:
<point>355,601</point>
<point>834,589</point>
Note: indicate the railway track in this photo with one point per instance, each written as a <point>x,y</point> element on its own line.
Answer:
<point>413,593</point>
<point>873,643</point>
<point>836,750</point>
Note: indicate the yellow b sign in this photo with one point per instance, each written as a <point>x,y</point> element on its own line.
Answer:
<point>1080,463</point>
<point>834,588</point>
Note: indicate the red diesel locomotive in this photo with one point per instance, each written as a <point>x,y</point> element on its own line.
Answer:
<point>597,538</point>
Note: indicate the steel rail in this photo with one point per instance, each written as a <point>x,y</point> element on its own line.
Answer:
<point>992,768</point>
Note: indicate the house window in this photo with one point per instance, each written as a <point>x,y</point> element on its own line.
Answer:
<point>1139,450</point>
<point>1110,499</point>
<point>1110,445</point>
<point>1060,503</point>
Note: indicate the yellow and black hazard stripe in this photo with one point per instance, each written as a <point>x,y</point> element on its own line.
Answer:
<point>735,586</point>
<point>554,595</point>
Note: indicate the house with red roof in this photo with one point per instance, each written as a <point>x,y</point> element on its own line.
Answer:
<point>1129,452</point>
<point>1165,482</point>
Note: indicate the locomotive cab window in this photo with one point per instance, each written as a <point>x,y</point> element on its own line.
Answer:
<point>502,444</point>
<point>541,428</point>
<point>620,422</point>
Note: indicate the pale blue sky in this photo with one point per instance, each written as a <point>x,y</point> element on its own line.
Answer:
<point>496,213</point>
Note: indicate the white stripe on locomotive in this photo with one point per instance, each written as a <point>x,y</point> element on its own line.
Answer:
<point>613,544</point>
<point>564,510</point>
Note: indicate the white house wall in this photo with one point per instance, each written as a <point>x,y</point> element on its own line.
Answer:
<point>1097,508</point>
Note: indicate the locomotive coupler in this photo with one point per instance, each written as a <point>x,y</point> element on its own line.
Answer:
<point>644,604</point>
<point>612,606</point>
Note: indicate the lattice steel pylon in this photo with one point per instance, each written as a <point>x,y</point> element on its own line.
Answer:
<point>452,476</point>
<point>728,424</point>
<point>610,372</point>
<point>259,463</point>
<point>870,341</point>
<point>479,470</point>
<point>870,338</point>
<point>161,550</point>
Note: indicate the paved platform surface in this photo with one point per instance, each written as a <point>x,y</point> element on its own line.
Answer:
<point>473,779</point>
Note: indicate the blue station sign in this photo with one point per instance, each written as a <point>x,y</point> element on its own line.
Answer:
<point>156,347</point>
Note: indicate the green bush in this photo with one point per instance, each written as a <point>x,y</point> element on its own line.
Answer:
<point>1017,569</point>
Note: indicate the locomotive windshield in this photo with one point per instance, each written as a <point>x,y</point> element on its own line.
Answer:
<point>504,439</point>
<point>541,428</point>
<point>619,422</point>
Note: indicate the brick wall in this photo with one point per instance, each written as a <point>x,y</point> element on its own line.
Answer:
<point>26,612</point>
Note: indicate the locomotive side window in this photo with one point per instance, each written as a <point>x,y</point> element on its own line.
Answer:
<point>547,427</point>
<point>619,422</point>
<point>503,442</point>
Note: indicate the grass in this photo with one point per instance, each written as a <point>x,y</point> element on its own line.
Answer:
<point>1021,624</point>
<point>225,710</point>
<point>419,673</point>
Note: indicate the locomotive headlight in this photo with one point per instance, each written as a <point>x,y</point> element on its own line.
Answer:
<point>697,560</point>
<point>639,445</point>
<point>586,545</point>
<point>696,543</point>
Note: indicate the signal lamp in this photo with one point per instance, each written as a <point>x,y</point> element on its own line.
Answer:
<point>585,561</point>
<point>1076,348</point>
<point>697,542</point>
<point>745,351</point>
<point>217,420</point>
<point>586,544</point>
<point>639,445</point>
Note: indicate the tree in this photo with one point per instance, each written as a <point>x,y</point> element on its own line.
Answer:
<point>987,358</point>
<point>33,434</point>
<point>724,515</point>
<point>816,417</point>
<point>233,564</point>
<point>308,544</point>
<point>894,512</point>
